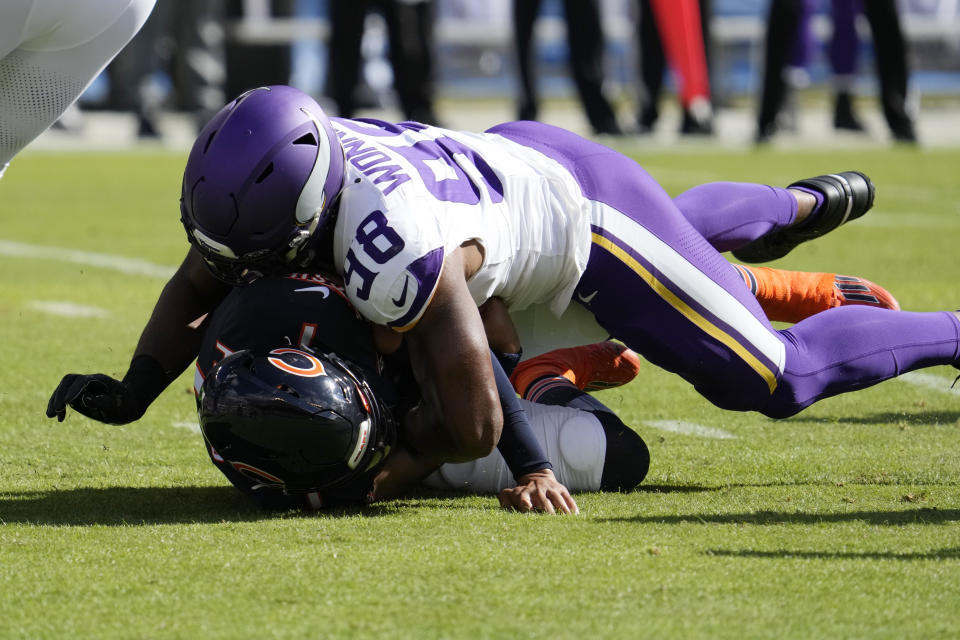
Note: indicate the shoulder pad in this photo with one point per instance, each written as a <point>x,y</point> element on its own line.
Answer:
<point>390,258</point>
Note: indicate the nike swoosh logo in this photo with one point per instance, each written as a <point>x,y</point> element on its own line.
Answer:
<point>403,294</point>
<point>587,299</point>
<point>324,290</point>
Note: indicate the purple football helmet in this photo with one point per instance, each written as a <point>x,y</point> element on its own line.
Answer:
<point>261,180</point>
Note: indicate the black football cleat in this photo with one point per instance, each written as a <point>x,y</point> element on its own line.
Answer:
<point>846,196</point>
<point>843,116</point>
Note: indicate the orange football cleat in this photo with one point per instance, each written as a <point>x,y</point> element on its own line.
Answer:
<point>603,365</point>
<point>791,296</point>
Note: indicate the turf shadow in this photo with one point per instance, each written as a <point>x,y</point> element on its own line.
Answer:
<point>889,518</point>
<point>700,488</point>
<point>133,506</point>
<point>937,554</point>
<point>676,488</point>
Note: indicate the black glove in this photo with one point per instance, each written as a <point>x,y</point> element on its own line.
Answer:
<point>103,398</point>
<point>96,396</point>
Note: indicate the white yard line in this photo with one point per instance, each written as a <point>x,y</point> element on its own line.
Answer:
<point>132,266</point>
<point>188,425</point>
<point>67,309</point>
<point>930,381</point>
<point>690,429</point>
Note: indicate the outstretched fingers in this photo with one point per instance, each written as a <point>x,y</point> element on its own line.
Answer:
<point>538,491</point>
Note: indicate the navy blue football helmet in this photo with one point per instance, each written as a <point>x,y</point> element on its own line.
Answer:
<point>261,182</point>
<point>294,420</point>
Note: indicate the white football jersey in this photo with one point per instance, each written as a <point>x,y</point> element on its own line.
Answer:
<point>414,193</point>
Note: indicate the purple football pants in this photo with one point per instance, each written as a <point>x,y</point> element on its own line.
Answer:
<point>656,280</point>
<point>844,42</point>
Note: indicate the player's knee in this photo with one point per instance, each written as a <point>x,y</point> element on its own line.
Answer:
<point>627,458</point>
<point>782,403</point>
<point>733,393</point>
<point>579,449</point>
<point>785,401</point>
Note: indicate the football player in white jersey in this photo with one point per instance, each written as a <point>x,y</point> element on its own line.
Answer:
<point>425,224</point>
<point>50,52</point>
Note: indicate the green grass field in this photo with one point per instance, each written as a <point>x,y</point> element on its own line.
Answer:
<point>842,522</point>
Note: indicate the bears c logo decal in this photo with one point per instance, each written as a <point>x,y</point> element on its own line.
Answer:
<point>297,362</point>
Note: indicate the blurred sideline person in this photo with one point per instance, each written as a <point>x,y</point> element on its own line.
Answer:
<point>410,25</point>
<point>427,224</point>
<point>184,40</point>
<point>252,64</point>
<point>50,52</point>
<point>585,43</point>
<point>843,49</point>
<point>678,30</point>
<point>784,27</point>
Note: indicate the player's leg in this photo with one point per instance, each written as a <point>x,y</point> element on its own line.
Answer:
<point>731,214</point>
<point>785,296</point>
<point>626,457</point>
<point>855,347</point>
<point>655,283</point>
<point>62,49</point>
<point>688,317</point>
<point>761,223</point>
<point>665,296</point>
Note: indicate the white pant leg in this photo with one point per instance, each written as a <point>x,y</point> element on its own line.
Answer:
<point>53,50</point>
<point>573,440</point>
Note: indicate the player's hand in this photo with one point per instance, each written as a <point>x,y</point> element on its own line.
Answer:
<point>538,491</point>
<point>96,396</point>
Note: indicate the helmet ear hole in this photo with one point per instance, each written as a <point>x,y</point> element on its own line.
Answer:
<point>285,388</point>
<point>307,138</point>
<point>266,172</point>
<point>210,140</point>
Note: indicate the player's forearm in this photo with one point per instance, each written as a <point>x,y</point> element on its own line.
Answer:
<point>449,354</point>
<point>172,335</point>
<point>518,445</point>
<point>459,417</point>
<point>402,471</point>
